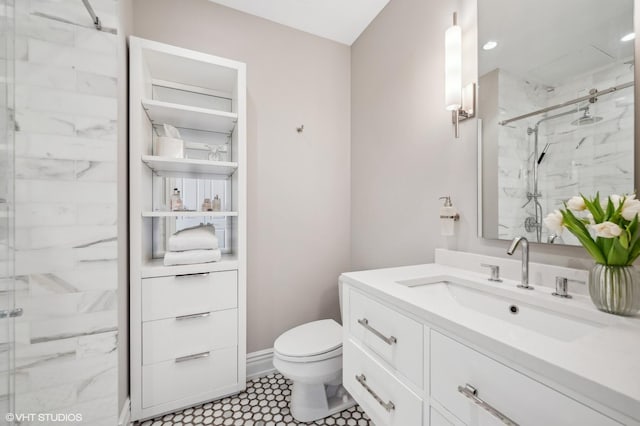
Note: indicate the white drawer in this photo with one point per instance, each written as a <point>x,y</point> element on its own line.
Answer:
<point>378,387</point>
<point>171,338</point>
<point>515,395</point>
<point>169,297</point>
<point>437,419</point>
<point>391,335</point>
<point>170,380</point>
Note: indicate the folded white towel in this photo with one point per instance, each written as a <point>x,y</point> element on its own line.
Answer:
<point>191,257</point>
<point>202,237</point>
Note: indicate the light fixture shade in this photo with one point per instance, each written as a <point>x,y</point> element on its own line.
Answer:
<point>453,67</point>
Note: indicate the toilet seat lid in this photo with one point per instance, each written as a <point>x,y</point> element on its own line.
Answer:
<point>310,339</point>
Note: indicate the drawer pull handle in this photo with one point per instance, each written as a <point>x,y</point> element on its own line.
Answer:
<point>192,357</point>
<point>193,316</point>
<point>389,406</point>
<point>200,274</point>
<point>388,340</point>
<point>472,393</point>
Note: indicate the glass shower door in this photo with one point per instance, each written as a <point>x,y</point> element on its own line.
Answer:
<point>7,229</point>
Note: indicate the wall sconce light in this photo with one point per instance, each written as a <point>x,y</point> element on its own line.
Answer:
<point>460,102</point>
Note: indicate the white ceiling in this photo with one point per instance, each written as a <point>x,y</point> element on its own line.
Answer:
<point>339,20</point>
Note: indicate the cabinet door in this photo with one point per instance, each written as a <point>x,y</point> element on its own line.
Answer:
<point>191,376</point>
<point>394,337</point>
<point>437,419</point>
<point>170,297</point>
<point>381,395</point>
<point>167,339</point>
<point>522,399</point>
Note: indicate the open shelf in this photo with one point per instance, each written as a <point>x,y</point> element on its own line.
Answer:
<point>188,214</point>
<point>164,165</point>
<point>156,268</point>
<point>190,117</point>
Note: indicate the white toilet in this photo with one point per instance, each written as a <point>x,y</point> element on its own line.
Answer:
<point>310,355</point>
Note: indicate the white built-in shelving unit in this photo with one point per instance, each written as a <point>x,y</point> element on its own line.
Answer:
<point>187,322</point>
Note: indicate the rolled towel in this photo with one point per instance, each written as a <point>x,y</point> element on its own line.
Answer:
<point>191,257</point>
<point>202,237</point>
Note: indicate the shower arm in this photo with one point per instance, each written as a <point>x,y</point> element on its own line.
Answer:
<point>590,97</point>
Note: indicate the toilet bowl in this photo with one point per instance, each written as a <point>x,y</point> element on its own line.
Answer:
<point>310,355</point>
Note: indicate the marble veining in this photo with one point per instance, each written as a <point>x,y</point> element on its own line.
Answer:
<point>580,159</point>
<point>66,210</point>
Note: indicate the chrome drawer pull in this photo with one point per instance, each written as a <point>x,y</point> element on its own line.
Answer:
<point>386,405</point>
<point>192,357</point>
<point>388,340</point>
<point>193,316</point>
<point>199,274</point>
<point>472,393</point>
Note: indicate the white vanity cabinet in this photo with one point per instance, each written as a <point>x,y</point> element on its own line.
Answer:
<point>451,384</point>
<point>187,322</point>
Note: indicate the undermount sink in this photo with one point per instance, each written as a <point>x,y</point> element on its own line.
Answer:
<point>518,312</point>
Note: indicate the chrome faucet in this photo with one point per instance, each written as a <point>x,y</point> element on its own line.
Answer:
<point>525,260</point>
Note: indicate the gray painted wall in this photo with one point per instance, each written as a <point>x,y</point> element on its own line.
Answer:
<point>298,195</point>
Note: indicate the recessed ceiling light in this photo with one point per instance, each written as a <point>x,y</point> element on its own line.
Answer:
<point>490,45</point>
<point>628,37</point>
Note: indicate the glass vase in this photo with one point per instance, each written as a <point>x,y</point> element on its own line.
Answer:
<point>615,289</point>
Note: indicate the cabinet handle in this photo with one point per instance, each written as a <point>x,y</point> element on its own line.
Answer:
<point>472,393</point>
<point>193,316</point>
<point>199,274</point>
<point>388,340</point>
<point>192,357</point>
<point>386,405</point>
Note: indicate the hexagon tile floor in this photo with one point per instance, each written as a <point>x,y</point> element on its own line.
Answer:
<point>265,402</point>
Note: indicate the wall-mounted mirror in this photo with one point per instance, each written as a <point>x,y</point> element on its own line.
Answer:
<point>556,109</point>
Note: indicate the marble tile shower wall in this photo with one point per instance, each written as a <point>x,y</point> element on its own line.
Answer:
<point>66,185</point>
<point>595,157</point>
<point>516,97</point>
<point>587,158</point>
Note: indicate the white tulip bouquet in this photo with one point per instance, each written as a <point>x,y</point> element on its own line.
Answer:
<point>608,230</point>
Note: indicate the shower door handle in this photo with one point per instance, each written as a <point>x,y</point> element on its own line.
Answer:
<point>11,313</point>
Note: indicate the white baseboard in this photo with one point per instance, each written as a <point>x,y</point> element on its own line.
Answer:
<point>125,413</point>
<point>260,364</point>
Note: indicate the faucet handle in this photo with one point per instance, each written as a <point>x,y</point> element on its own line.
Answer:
<point>495,272</point>
<point>561,288</point>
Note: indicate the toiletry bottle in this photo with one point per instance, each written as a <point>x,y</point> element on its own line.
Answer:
<point>176,201</point>
<point>216,204</point>
<point>206,205</point>
<point>448,216</point>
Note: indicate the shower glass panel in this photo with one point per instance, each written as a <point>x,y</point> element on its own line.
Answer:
<point>7,278</point>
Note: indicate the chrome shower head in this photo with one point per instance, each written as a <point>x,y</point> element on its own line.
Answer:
<point>586,119</point>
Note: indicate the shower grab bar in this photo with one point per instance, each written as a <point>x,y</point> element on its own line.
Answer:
<point>588,97</point>
<point>388,340</point>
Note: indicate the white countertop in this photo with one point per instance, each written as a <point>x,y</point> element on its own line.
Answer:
<point>603,366</point>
